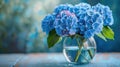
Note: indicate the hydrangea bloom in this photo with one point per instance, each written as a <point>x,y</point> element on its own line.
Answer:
<point>105,12</point>
<point>47,23</point>
<point>81,8</point>
<point>62,7</point>
<point>79,19</point>
<point>90,23</point>
<point>65,23</point>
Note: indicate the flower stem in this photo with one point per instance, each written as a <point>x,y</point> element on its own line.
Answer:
<point>79,51</point>
<point>90,53</point>
<point>77,56</point>
<point>85,58</point>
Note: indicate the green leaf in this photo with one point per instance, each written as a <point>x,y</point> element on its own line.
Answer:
<point>108,33</point>
<point>53,38</point>
<point>101,36</point>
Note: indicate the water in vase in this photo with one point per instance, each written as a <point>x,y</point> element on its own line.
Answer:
<point>85,56</point>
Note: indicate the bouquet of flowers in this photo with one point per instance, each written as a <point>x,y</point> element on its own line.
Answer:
<point>82,20</point>
<point>79,23</point>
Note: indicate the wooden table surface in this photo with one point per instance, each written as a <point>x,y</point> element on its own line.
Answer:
<point>56,60</point>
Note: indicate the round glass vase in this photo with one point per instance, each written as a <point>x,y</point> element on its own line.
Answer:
<point>79,50</point>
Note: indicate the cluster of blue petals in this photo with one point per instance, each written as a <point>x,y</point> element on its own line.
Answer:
<point>90,23</point>
<point>66,23</point>
<point>105,12</point>
<point>62,7</point>
<point>82,19</point>
<point>48,23</point>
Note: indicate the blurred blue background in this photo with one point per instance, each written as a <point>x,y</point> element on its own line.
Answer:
<point>20,25</point>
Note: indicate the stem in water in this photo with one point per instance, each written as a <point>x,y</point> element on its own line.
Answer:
<point>79,51</point>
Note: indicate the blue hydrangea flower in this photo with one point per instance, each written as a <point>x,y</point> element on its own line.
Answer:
<point>81,8</point>
<point>47,23</point>
<point>66,23</point>
<point>105,12</point>
<point>62,7</point>
<point>80,19</point>
<point>90,23</point>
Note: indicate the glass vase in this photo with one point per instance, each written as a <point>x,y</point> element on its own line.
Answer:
<point>79,50</point>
